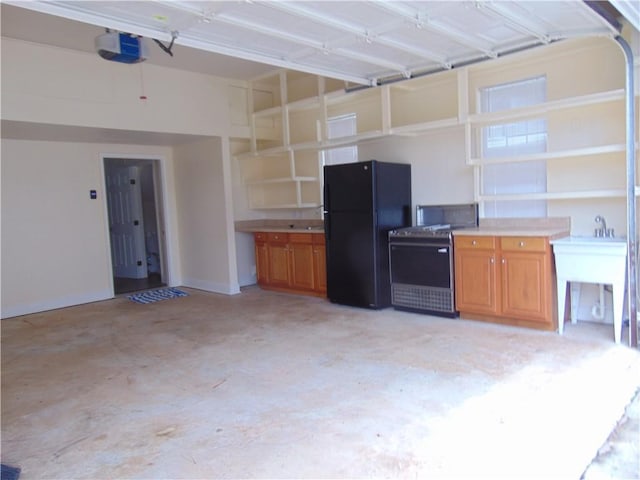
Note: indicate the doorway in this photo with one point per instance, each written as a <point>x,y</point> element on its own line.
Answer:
<point>135,223</point>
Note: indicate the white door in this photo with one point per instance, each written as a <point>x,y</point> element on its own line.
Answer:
<point>124,202</point>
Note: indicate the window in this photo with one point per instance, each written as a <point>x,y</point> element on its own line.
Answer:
<point>510,140</point>
<point>337,127</point>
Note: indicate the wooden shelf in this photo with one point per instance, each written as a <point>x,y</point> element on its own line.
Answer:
<point>350,140</point>
<point>542,108</point>
<point>293,129</point>
<point>304,105</point>
<point>420,128</point>
<point>575,152</point>
<point>269,112</point>
<point>282,180</point>
<point>568,195</point>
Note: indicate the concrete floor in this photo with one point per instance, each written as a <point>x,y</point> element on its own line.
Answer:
<point>267,385</point>
<point>619,456</point>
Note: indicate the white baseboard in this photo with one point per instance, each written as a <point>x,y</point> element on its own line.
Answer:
<point>55,303</point>
<point>224,288</point>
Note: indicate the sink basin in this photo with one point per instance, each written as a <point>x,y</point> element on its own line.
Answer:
<point>590,245</point>
<point>591,260</point>
<point>589,240</point>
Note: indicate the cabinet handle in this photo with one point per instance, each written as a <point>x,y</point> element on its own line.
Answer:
<point>473,242</point>
<point>503,261</point>
<point>491,260</point>
<point>521,244</point>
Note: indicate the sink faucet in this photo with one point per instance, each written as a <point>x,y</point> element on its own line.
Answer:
<point>603,231</point>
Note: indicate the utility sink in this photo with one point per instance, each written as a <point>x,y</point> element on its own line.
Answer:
<point>590,260</point>
<point>593,242</point>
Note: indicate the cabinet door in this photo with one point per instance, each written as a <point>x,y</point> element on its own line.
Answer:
<point>320,268</point>
<point>301,262</point>
<point>278,260</point>
<point>524,286</point>
<point>475,281</point>
<point>262,263</point>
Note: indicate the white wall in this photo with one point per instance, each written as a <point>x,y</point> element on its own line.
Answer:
<point>62,259</point>
<point>207,251</point>
<point>55,241</point>
<point>572,68</point>
<point>43,84</point>
<point>439,174</point>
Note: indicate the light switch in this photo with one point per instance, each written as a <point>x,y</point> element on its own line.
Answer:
<point>93,194</point>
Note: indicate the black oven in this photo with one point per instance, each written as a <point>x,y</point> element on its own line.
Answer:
<point>421,275</point>
<point>421,259</point>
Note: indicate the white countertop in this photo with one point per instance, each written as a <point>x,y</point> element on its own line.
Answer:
<point>281,230</point>
<point>550,232</point>
<point>550,227</point>
<point>280,226</point>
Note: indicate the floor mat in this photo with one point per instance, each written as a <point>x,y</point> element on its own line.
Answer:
<point>9,473</point>
<point>151,296</point>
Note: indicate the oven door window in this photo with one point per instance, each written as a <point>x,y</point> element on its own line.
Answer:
<point>425,265</point>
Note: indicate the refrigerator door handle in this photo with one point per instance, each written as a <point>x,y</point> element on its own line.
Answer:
<point>327,215</point>
<point>326,199</point>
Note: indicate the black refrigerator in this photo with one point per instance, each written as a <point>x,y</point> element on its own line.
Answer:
<point>362,202</point>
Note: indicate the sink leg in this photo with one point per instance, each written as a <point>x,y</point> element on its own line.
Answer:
<point>562,294</point>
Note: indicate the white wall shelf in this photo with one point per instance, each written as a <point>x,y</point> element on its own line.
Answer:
<point>546,107</point>
<point>425,127</point>
<point>571,153</point>
<point>583,129</point>
<point>282,180</point>
<point>568,195</point>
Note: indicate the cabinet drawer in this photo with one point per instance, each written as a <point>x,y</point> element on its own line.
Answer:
<point>474,242</point>
<point>524,244</point>
<point>277,237</point>
<point>260,236</point>
<point>299,238</point>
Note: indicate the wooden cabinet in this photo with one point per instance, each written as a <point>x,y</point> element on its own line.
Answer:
<point>262,258</point>
<point>278,259</point>
<point>527,288</point>
<point>301,261</point>
<point>291,262</point>
<point>475,275</point>
<point>320,264</point>
<point>505,279</point>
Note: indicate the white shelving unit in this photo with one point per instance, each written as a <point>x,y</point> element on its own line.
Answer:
<point>585,155</point>
<point>283,169</point>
